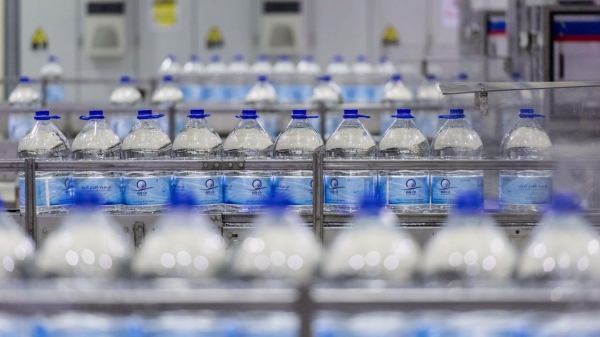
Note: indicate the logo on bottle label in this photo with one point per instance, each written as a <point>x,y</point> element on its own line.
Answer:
<point>411,190</point>
<point>516,190</point>
<point>446,188</point>
<point>205,190</point>
<point>107,190</point>
<point>49,191</point>
<point>349,190</point>
<point>296,190</point>
<point>147,190</point>
<point>246,190</point>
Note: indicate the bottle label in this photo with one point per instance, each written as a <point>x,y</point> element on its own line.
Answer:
<point>246,190</point>
<point>206,190</point>
<point>364,93</point>
<point>191,92</point>
<point>285,93</point>
<point>304,93</point>
<point>49,191</point>
<point>525,190</point>
<point>445,188</point>
<point>348,93</point>
<point>55,93</point>
<point>296,190</point>
<point>404,190</point>
<point>216,93</point>
<point>349,190</point>
<point>107,190</point>
<point>143,191</point>
<point>239,92</point>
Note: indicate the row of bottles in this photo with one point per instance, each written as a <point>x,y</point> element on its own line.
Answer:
<point>246,190</point>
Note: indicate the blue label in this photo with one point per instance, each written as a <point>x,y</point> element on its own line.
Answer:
<point>297,190</point>
<point>246,190</point>
<point>285,93</point>
<point>206,190</point>
<point>107,190</point>
<point>49,191</point>
<point>55,93</point>
<point>445,188</point>
<point>348,93</point>
<point>405,190</point>
<point>364,93</point>
<point>238,92</point>
<point>349,190</point>
<point>525,190</point>
<point>191,92</point>
<point>216,93</point>
<point>304,93</point>
<point>19,124</point>
<point>142,191</point>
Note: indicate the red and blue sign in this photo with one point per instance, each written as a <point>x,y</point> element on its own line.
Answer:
<point>576,31</point>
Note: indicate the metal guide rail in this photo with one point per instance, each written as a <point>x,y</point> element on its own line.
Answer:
<point>318,166</point>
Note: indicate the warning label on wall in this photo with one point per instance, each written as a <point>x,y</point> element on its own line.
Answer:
<point>39,39</point>
<point>164,12</point>
<point>390,36</point>
<point>214,38</point>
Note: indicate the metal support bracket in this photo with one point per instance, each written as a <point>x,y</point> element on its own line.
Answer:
<point>139,232</point>
<point>30,202</point>
<point>481,101</point>
<point>318,158</point>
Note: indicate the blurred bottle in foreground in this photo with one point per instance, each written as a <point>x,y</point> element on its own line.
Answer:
<point>525,190</point>
<point>25,96</point>
<point>16,248</point>
<point>125,97</point>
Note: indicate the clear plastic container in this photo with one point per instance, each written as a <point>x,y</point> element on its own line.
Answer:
<point>405,191</point>
<point>364,81</point>
<point>240,79</point>
<point>167,95</point>
<point>340,72</point>
<point>525,190</point>
<point>345,189</point>
<point>307,72</point>
<point>261,97</point>
<point>394,95</point>
<point>455,140</point>
<point>193,71</point>
<point>97,141</point>
<point>217,89</point>
<point>247,190</point>
<point>45,142</point>
<point>52,71</point>
<point>26,95</point>
<point>16,249</point>
<point>170,66</point>
<point>126,97</point>
<point>199,141</point>
<point>298,141</point>
<point>284,76</point>
<point>146,191</point>
<point>428,96</point>
<point>262,66</point>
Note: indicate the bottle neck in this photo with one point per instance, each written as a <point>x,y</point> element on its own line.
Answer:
<point>404,123</point>
<point>457,123</point>
<point>197,123</point>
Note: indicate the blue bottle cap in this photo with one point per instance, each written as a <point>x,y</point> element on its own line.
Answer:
<point>263,57</point>
<point>126,79</point>
<point>325,78</point>
<point>463,76</point>
<point>86,200</point>
<point>262,78</point>
<point>168,78</point>
<point>515,76</point>
<point>24,79</point>
<point>383,59</point>
<point>248,114</point>
<point>308,58</point>
<point>198,114</point>
<point>403,114</point>
<point>565,203</point>
<point>238,58</point>
<point>468,203</point>
<point>172,57</point>
<point>371,205</point>
<point>396,77</point>
<point>183,200</point>
<point>284,57</point>
<point>361,58</point>
<point>147,114</point>
<point>44,115</point>
<point>301,114</point>
<point>338,59</point>
<point>52,58</point>
<point>529,113</point>
<point>94,114</point>
<point>454,114</point>
<point>194,58</point>
<point>431,77</point>
<point>215,58</point>
<point>352,113</point>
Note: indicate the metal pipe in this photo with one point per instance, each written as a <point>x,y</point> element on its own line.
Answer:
<point>318,193</point>
<point>171,112</point>
<point>30,202</point>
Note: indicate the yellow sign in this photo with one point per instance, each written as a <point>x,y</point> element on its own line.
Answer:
<point>214,38</point>
<point>39,39</point>
<point>165,12</point>
<point>390,36</point>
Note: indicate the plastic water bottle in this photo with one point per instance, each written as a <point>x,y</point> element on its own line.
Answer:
<point>383,71</point>
<point>199,141</point>
<point>217,90</point>
<point>125,97</point>
<point>166,96</point>
<point>52,72</point>
<point>45,142</point>
<point>513,101</point>
<point>193,71</point>
<point>170,66</point>
<point>146,191</point>
<point>87,244</point>
<point>240,79</point>
<point>246,190</point>
<point>428,96</point>
<point>184,244</point>
<point>404,190</point>
<point>284,72</point>
<point>364,89</point>
<point>71,324</point>
<point>298,141</point>
<point>262,66</point>
<point>280,247</point>
<point>469,247</point>
<point>340,72</point>
<point>374,248</point>
<point>455,140</point>
<point>345,189</point>
<point>261,97</point>
<point>97,141</point>
<point>395,94</point>
<point>307,72</point>
<point>564,246</point>
<point>184,323</point>
<point>16,248</point>
<point>328,95</point>
<point>270,324</point>
<point>525,190</point>
<point>380,324</point>
<point>25,96</point>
